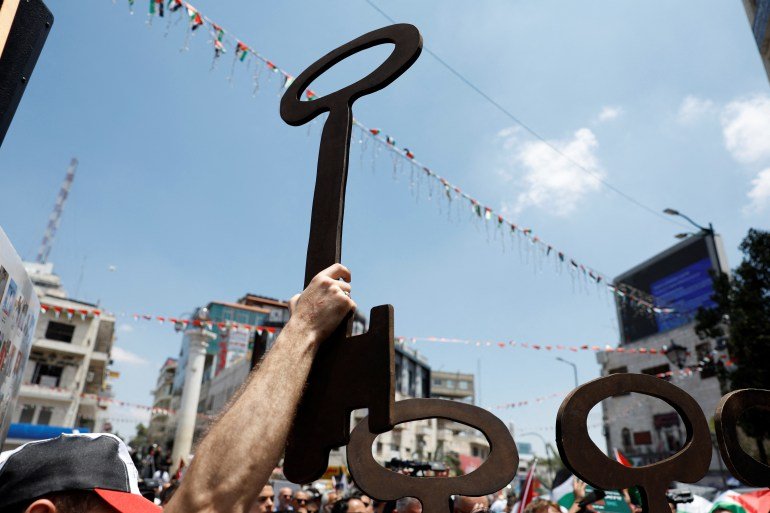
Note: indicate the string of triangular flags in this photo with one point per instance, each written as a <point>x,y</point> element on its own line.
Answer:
<point>222,40</point>
<point>83,313</point>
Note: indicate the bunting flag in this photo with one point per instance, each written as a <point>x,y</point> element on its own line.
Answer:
<point>196,20</point>
<point>519,404</point>
<point>241,51</point>
<point>156,7</point>
<point>529,488</point>
<point>83,313</point>
<point>451,192</point>
<point>175,5</point>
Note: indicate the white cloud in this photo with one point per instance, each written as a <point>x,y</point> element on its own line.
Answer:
<point>759,193</point>
<point>610,112</point>
<point>121,355</point>
<point>693,109</point>
<point>125,328</point>
<point>551,182</point>
<point>746,128</point>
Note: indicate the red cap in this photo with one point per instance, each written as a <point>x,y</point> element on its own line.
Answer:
<point>125,502</point>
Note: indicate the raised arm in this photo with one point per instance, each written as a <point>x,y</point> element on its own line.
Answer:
<point>236,458</point>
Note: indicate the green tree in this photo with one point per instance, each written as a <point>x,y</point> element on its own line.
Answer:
<point>140,439</point>
<point>742,315</point>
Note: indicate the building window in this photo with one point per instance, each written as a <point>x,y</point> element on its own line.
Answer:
<point>59,331</point>
<point>47,375</point>
<point>27,413</point>
<point>450,383</point>
<point>44,418</point>
<point>437,382</point>
<point>625,435</point>
<point>642,438</point>
<point>658,369</point>
<point>463,385</point>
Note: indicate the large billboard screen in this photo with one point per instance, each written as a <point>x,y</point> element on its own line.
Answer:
<point>19,310</point>
<point>679,278</point>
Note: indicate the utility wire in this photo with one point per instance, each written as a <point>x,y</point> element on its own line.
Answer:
<point>531,130</point>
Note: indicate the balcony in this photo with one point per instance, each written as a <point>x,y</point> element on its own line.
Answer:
<point>31,391</point>
<point>60,347</point>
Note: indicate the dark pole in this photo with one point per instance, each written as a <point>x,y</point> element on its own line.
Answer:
<point>574,368</point>
<point>547,447</point>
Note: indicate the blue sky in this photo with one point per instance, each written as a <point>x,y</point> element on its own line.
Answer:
<point>194,190</point>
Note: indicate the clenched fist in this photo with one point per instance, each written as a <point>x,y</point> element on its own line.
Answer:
<point>322,306</point>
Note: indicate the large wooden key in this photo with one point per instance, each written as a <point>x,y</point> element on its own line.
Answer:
<point>349,372</point>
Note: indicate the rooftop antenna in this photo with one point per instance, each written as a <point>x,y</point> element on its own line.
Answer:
<point>55,218</point>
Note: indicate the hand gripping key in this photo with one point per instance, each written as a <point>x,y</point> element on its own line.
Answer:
<point>348,372</point>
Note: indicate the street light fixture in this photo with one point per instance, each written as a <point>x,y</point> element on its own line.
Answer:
<point>707,230</point>
<point>676,354</point>
<point>674,212</point>
<point>574,368</point>
<point>548,447</point>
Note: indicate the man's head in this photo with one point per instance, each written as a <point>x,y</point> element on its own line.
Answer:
<point>264,502</point>
<point>542,506</point>
<point>465,504</point>
<point>356,505</point>
<point>90,473</point>
<point>66,502</point>
<point>284,498</point>
<point>368,503</point>
<point>328,500</point>
<point>408,505</point>
<point>300,501</point>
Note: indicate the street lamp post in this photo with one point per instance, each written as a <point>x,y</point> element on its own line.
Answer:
<point>574,368</point>
<point>708,230</point>
<point>547,448</point>
<point>198,342</point>
<point>676,354</point>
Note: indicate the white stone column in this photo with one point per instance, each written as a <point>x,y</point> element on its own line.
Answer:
<point>198,341</point>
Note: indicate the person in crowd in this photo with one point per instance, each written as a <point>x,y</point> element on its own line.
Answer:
<point>284,499</point>
<point>264,502</point>
<point>465,504</point>
<point>168,491</point>
<point>368,503</point>
<point>51,476</point>
<point>351,504</point>
<point>499,501</point>
<point>542,506</point>
<point>300,501</point>
<point>511,501</point>
<point>408,505</point>
<point>232,463</point>
<point>328,500</point>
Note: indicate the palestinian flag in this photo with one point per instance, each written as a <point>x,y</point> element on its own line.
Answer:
<point>620,458</point>
<point>529,488</point>
<point>562,493</point>
<point>241,51</point>
<point>757,501</point>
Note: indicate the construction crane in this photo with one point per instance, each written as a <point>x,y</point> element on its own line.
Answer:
<point>55,218</point>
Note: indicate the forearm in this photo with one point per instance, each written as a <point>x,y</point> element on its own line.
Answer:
<point>236,458</point>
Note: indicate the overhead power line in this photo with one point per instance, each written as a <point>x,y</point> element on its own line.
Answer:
<point>531,130</point>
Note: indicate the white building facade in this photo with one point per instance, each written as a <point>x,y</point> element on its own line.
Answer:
<point>65,379</point>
